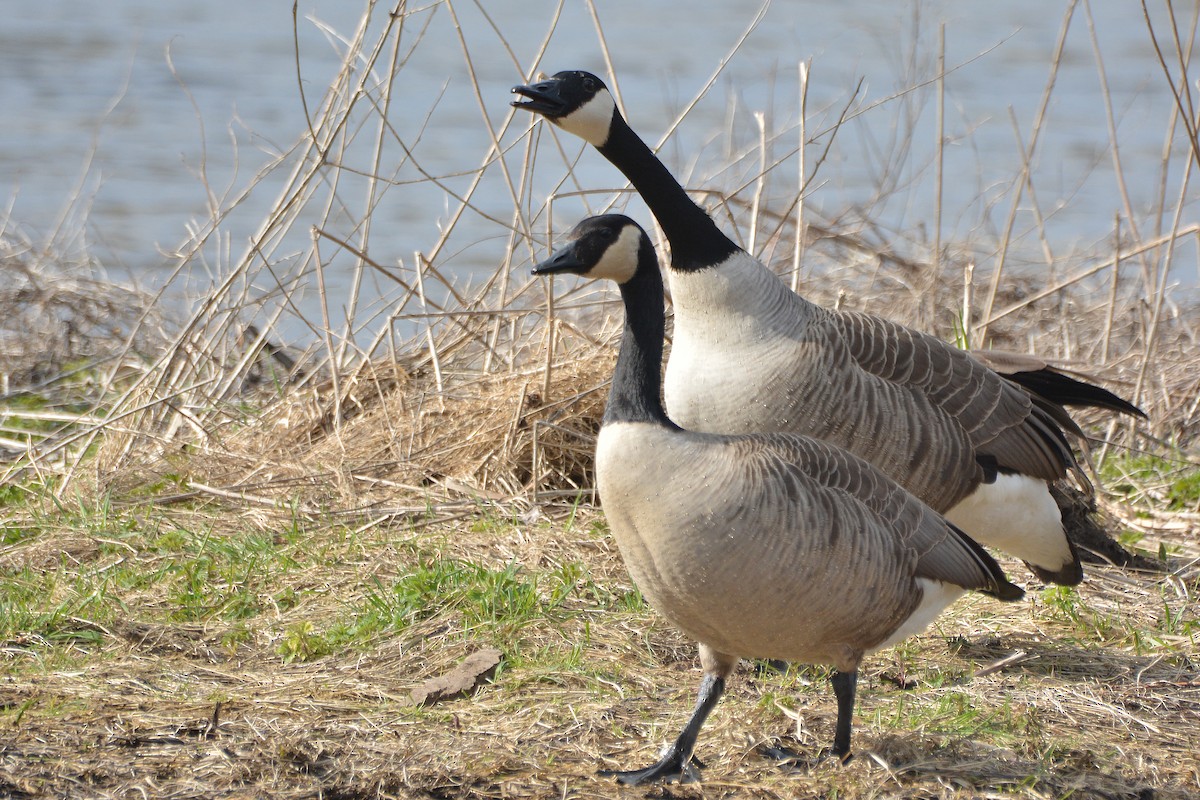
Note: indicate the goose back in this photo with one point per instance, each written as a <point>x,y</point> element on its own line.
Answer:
<point>751,355</point>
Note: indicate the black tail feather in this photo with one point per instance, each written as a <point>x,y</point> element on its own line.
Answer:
<point>1058,388</point>
<point>1000,586</point>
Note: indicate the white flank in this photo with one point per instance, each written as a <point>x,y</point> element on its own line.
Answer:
<point>935,597</point>
<point>1016,515</point>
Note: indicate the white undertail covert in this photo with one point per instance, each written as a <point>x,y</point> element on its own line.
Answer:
<point>1017,515</point>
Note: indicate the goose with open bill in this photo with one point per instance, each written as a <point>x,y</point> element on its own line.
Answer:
<point>750,355</point>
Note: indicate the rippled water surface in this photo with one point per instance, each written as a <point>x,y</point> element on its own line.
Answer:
<point>149,110</point>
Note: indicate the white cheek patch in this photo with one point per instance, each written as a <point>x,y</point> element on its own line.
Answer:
<point>592,120</point>
<point>620,259</point>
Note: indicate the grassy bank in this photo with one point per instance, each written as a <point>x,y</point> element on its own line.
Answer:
<point>204,646</point>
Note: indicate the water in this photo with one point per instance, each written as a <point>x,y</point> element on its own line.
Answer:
<point>94,110</point>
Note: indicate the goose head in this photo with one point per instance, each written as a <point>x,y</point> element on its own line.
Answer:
<point>576,101</point>
<point>608,246</point>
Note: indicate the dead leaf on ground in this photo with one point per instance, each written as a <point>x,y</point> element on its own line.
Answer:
<point>475,668</point>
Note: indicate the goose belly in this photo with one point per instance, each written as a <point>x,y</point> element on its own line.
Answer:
<point>742,585</point>
<point>935,597</point>
<point>804,620</point>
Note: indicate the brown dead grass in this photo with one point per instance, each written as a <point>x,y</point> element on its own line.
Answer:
<point>526,434</point>
<point>181,711</point>
<point>62,314</point>
<point>408,457</point>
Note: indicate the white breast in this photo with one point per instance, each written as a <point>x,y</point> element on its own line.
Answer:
<point>738,341</point>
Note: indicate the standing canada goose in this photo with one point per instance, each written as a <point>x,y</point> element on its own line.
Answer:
<point>751,355</point>
<point>769,545</point>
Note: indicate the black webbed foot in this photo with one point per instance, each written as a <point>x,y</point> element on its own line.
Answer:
<point>672,767</point>
<point>791,761</point>
<point>679,764</point>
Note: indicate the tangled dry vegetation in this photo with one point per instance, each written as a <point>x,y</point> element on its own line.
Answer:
<point>246,609</point>
<point>234,570</point>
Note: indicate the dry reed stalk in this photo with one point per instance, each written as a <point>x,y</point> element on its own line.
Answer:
<point>1114,282</point>
<point>804,184</point>
<point>1027,155</point>
<point>935,267</point>
<point>435,342</point>
<point>419,269</point>
<point>760,184</point>
<point>606,54</point>
<point>1039,219</point>
<point>1159,296</point>
<point>1181,91</point>
<point>723,62</point>
<point>1109,264</point>
<point>1111,124</point>
<point>802,176</point>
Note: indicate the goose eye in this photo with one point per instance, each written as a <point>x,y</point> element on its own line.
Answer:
<point>589,85</point>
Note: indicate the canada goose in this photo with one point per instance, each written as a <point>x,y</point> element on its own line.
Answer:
<point>751,355</point>
<point>769,545</point>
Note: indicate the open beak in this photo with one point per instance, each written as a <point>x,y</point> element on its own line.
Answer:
<point>542,98</point>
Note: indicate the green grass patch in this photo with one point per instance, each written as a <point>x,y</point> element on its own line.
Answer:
<point>1170,634</point>
<point>98,562</point>
<point>497,603</point>
<point>44,609</point>
<point>1173,484</point>
<point>94,564</point>
<point>957,714</point>
<point>227,578</point>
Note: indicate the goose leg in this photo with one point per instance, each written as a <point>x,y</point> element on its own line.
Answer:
<point>844,685</point>
<point>677,763</point>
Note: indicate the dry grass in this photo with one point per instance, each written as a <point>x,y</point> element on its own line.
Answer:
<point>210,562</point>
<point>67,333</point>
<point>214,708</point>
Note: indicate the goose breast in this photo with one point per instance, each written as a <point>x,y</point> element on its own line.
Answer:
<point>761,546</point>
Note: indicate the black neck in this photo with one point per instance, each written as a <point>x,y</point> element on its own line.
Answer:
<point>696,241</point>
<point>635,395</point>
